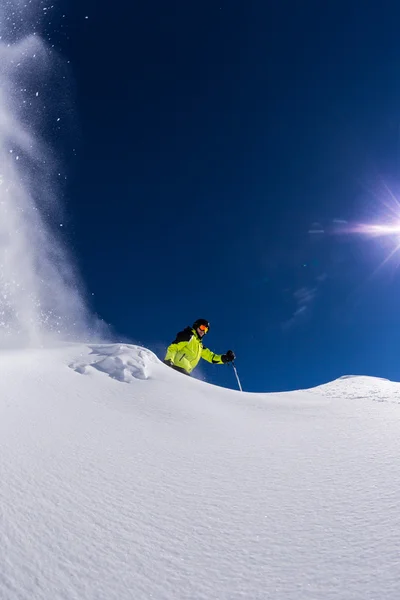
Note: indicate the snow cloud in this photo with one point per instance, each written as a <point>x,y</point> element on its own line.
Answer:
<point>40,293</point>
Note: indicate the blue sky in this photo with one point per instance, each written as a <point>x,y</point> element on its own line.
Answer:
<point>227,151</point>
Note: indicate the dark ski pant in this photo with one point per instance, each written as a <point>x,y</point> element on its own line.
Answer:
<point>179,369</point>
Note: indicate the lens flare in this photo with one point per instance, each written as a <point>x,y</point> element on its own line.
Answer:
<point>378,229</point>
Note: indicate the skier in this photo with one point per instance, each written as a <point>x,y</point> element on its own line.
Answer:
<point>186,350</point>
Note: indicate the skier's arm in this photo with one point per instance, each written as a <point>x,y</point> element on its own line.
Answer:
<point>179,342</point>
<point>211,357</point>
<point>217,359</point>
<point>171,352</point>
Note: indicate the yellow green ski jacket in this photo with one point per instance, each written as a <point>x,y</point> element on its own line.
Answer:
<point>187,349</point>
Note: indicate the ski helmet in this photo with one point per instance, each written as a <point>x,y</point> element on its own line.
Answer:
<point>199,322</point>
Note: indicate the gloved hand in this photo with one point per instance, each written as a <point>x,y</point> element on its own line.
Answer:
<point>169,363</point>
<point>228,357</point>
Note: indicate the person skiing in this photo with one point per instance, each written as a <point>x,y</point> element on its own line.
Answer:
<point>185,352</point>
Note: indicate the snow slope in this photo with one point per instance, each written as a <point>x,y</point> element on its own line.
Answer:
<point>122,479</point>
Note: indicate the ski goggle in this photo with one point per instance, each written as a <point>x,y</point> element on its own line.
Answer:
<point>203,328</point>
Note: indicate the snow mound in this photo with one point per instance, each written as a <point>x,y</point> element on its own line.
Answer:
<point>352,387</point>
<point>123,362</point>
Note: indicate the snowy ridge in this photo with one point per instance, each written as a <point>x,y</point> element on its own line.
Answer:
<point>354,387</point>
<point>122,479</point>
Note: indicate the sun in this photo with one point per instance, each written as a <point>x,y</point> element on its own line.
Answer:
<point>388,228</point>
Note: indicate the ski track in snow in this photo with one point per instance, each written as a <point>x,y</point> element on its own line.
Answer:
<point>122,479</point>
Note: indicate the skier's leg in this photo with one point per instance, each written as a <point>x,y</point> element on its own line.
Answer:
<point>179,369</point>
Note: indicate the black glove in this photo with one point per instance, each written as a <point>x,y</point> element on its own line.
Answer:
<point>168,362</point>
<point>228,357</point>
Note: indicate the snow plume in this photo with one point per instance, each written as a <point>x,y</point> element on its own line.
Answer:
<point>39,291</point>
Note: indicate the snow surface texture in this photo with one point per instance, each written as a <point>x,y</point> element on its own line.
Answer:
<point>122,479</point>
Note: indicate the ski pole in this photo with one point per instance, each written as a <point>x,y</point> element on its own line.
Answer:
<point>237,376</point>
